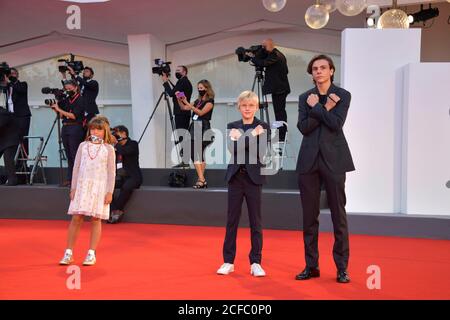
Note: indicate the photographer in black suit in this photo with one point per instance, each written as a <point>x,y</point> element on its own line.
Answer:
<point>247,142</point>
<point>88,90</point>
<point>184,85</point>
<point>129,176</point>
<point>17,105</point>
<point>276,80</point>
<point>324,157</point>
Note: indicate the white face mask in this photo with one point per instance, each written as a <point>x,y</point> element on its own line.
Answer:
<point>96,139</point>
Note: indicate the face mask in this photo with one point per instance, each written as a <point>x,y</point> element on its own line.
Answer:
<point>70,93</point>
<point>86,78</point>
<point>96,139</point>
<point>12,79</point>
<point>178,75</point>
<point>201,92</point>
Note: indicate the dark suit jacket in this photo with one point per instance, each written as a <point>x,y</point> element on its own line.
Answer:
<point>322,131</point>
<point>276,80</point>
<point>182,85</point>
<point>251,147</point>
<point>9,134</point>
<point>90,93</point>
<point>20,99</point>
<point>130,159</point>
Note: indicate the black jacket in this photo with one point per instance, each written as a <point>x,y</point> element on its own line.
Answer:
<point>276,79</point>
<point>20,99</point>
<point>130,159</point>
<point>89,91</point>
<point>76,106</point>
<point>322,131</point>
<point>251,147</point>
<point>182,85</point>
<point>9,133</point>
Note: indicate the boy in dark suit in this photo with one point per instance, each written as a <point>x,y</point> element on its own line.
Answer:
<point>247,142</point>
<point>324,157</point>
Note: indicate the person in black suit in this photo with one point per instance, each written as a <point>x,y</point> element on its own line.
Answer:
<point>9,139</point>
<point>183,85</point>
<point>324,157</point>
<point>276,80</point>
<point>88,89</point>
<point>128,176</point>
<point>72,110</point>
<point>17,105</point>
<point>247,142</point>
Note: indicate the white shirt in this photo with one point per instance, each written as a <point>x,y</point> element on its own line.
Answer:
<point>10,102</point>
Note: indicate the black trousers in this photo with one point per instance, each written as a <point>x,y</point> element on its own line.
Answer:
<point>72,136</point>
<point>182,121</point>
<point>309,185</point>
<point>8,158</point>
<point>240,187</point>
<point>279,108</point>
<point>126,185</point>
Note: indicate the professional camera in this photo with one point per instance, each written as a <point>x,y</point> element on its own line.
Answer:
<point>5,70</point>
<point>77,66</point>
<point>257,50</point>
<point>58,93</point>
<point>161,67</point>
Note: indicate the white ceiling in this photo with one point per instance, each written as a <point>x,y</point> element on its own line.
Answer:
<point>172,21</point>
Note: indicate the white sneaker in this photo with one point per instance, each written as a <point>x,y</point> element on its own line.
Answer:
<point>67,259</point>
<point>226,268</point>
<point>257,271</point>
<point>90,259</point>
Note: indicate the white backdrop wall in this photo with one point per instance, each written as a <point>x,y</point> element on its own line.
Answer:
<point>426,139</point>
<point>372,62</point>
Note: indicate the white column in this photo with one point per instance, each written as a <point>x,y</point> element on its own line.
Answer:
<point>426,139</point>
<point>145,91</point>
<point>371,63</point>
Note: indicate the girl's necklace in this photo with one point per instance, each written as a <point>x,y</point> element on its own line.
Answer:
<point>96,153</point>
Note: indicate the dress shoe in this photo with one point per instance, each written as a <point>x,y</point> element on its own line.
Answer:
<point>308,273</point>
<point>342,276</point>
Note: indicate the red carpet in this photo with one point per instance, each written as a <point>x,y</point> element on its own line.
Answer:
<point>137,261</point>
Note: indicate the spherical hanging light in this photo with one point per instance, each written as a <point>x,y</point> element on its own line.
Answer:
<point>394,19</point>
<point>330,5</point>
<point>351,7</point>
<point>317,16</point>
<point>274,5</point>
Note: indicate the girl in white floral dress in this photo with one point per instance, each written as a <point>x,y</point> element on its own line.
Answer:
<point>92,186</point>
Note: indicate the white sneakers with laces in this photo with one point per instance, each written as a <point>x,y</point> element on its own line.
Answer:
<point>255,269</point>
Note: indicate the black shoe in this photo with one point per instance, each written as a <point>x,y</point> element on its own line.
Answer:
<point>342,276</point>
<point>12,182</point>
<point>308,273</point>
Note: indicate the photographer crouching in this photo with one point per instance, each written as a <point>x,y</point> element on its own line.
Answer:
<point>72,110</point>
<point>128,175</point>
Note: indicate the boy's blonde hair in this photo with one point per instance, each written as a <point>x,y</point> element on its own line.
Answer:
<point>247,95</point>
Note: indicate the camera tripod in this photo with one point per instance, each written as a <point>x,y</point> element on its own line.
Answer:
<point>263,104</point>
<point>60,150</point>
<point>172,121</point>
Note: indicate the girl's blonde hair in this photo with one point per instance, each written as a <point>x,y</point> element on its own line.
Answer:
<point>101,123</point>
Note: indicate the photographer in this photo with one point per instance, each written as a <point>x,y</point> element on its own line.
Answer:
<point>88,89</point>
<point>129,176</point>
<point>276,80</point>
<point>184,86</point>
<point>72,110</point>
<point>17,105</point>
<point>9,139</point>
